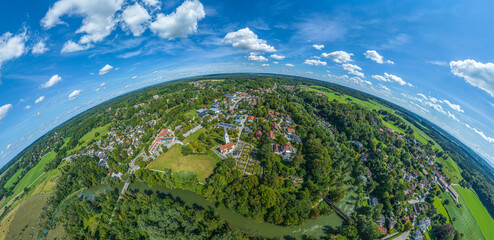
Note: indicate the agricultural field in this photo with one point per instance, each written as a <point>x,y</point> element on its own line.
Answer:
<point>201,164</point>
<point>14,177</point>
<point>462,218</point>
<point>484,219</point>
<point>24,223</point>
<point>440,208</point>
<point>31,176</point>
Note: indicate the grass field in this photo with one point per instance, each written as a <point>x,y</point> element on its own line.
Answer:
<point>90,136</point>
<point>484,220</point>
<point>25,221</point>
<point>14,177</point>
<point>194,136</point>
<point>440,208</point>
<point>30,176</point>
<point>462,218</point>
<point>202,165</point>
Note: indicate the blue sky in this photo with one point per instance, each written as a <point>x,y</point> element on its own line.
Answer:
<point>59,58</point>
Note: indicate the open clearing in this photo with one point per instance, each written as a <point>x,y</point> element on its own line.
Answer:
<point>462,218</point>
<point>202,165</point>
<point>30,176</point>
<point>24,224</point>
<point>484,220</point>
<point>14,177</point>
<point>440,208</point>
<point>90,136</point>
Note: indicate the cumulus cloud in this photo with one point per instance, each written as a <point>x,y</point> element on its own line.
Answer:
<point>53,80</point>
<point>480,75</point>
<point>265,65</point>
<point>453,106</point>
<point>180,23</point>
<point>134,77</point>
<point>74,94</point>
<point>37,114</point>
<point>39,48</point>
<point>385,88</point>
<point>12,46</point>
<point>380,78</point>
<point>152,3</point>
<point>315,62</point>
<point>318,46</point>
<point>71,46</point>
<point>452,116</point>
<point>339,56</point>
<point>98,22</point>
<point>27,107</point>
<point>4,110</point>
<point>277,57</point>
<point>254,57</point>
<point>391,78</point>
<point>106,69</point>
<point>289,65</point>
<point>40,99</point>
<point>247,40</point>
<point>102,84</point>
<point>136,18</point>
<point>376,57</point>
<point>482,134</point>
<point>353,69</point>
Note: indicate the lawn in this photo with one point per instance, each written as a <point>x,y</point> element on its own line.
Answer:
<point>462,218</point>
<point>484,220</point>
<point>194,136</point>
<point>90,136</point>
<point>202,165</point>
<point>30,176</point>
<point>14,177</point>
<point>451,170</point>
<point>440,208</point>
<point>26,219</point>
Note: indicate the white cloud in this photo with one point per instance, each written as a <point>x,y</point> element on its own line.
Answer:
<point>482,134</point>
<point>396,79</point>
<point>27,107</point>
<point>247,40</point>
<point>106,69</point>
<point>102,84</point>
<point>71,46</point>
<point>4,110</point>
<point>39,48</point>
<point>254,57</point>
<point>438,63</point>
<point>265,65</point>
<point>277,57</point>
<point>390,62</point>
<point>339,56</point>
<point>8,146</point>
<point>98,22</point>
<point>40,99</point>
<point>353,69</point>
<point>37,114</point>
<point>12,46</point>
<point>134,77</point>
<point>453,106</point>
<point>475,73</point>
<point>136,18</point>
<point>74,94</point>
<point>380,78</point>
<point>385,88</point>
<point>436,106</point>
<point>422,95</point>
<point>376,57</point>
<point>359,81</point>
<point>315,62</point>
<point>53,80</point>
<point>275,62</point>
<point>180,23</point>
<point>318,46</point>
<point>289,65</point>
<point>452,116</point>
<point>152,3</point>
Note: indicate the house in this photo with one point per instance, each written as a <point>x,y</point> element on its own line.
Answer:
<point>453,193</point>
<point>274,126</point>
<point>290,131</point>
<point>283,149</point>
<point>271,135</point>
<point>258,133</point>
<point>250,119</point>
<point>227,148</point>
<point>202,112</point>
<point>442,183</point>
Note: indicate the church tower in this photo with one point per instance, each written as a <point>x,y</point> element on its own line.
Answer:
<point>225,136</point>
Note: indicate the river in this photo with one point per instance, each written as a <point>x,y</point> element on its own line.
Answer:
<point>314,227</point>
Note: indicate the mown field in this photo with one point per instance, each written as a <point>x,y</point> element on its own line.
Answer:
<point>90,136</point>
<point>440,208</point>
<point>25,220</point>
<point>462,218</point>
<point>484,219</point>
<point>202,165</point>
<point>11,180</point>
<point>30,176</point>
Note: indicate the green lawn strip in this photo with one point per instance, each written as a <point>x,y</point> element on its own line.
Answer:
<point>462,218</point>
<point>90,136</point>
<point>12,179</point>
<point>194,136</point>
<point>484,219</point>
<point>440,208</point>
<point>30,176</point>
<point>201,164</point>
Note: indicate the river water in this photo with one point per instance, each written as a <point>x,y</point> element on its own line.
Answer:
<point>314,227</point>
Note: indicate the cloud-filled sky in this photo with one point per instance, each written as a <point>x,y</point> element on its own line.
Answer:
<point>61,57</point>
